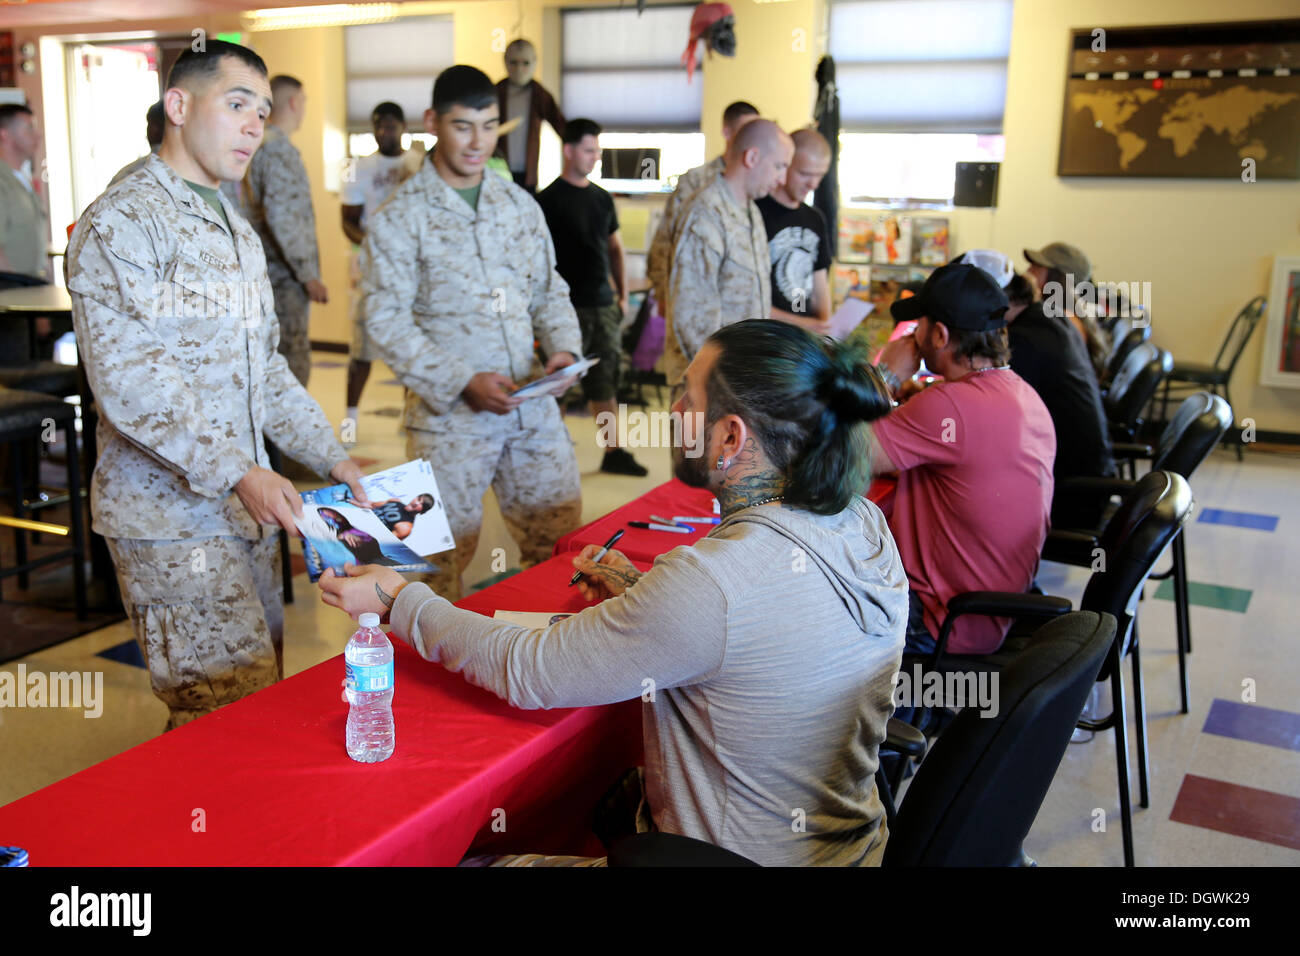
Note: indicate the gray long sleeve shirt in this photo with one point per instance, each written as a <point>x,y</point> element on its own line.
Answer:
<point>765,654</point>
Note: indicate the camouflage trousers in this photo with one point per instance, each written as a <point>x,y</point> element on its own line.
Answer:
<point>534,474</point>
<point>208,617</point>
<point>292,308</point>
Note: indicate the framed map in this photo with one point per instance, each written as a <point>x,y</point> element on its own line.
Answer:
<point>1211,101</point>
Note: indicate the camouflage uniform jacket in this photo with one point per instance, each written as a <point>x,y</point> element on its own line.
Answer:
<point>449,291</point>
<point>721,273</point>
<point>278,195</point>
<point>659,256</point>
<point>176,329</point>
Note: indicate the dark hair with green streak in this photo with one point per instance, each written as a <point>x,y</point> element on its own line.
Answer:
<point>807,399</point>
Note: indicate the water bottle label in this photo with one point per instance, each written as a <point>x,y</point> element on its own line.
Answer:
<point>370,678</point>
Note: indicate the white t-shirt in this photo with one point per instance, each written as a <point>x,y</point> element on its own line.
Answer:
<point>376,177</point>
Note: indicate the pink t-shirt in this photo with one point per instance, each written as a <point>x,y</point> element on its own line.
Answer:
<point>974,497</point>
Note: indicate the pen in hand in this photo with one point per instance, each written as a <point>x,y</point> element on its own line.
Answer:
<point>613,540</point>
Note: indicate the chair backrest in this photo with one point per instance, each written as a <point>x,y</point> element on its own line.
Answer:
<point>1194,431</point>
<point>977,792</point>
<point>1123,348</point>
<point>1136,384</point>
<point>1239,333</point>
<point>1133,540</point>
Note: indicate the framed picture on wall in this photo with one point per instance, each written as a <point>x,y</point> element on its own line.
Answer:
<point>1280,364</point>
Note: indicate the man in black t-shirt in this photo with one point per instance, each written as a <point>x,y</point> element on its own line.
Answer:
<point>797,238</point>
<point>584,230</point>
<point>1048,353</point>
<point>399,517</point>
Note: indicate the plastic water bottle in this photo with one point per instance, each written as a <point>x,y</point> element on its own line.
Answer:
<point>369,689</point>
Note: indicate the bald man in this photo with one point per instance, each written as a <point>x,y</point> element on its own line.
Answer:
<point>798,240</point>
<point>689,184</point>
<point>720,271</point>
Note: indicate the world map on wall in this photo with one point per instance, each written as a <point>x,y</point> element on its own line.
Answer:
<point>1199,126</point>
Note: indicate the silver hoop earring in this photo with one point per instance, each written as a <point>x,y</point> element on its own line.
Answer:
<point>722,463</point>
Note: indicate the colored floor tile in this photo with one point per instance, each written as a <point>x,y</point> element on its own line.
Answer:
<point>1240,811</point>
<point>1260,725</point>
<point>1217,596</point>
<point>128,652</point>
<point>1238,519</point>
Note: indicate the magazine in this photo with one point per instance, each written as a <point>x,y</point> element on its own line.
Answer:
<point>857,236</point>
<point>893,240</point>
<point>539,387</point>
<point>930,241</point>
<point>404,523</point>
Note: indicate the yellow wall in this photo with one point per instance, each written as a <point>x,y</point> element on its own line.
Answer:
<point>1206,247</point>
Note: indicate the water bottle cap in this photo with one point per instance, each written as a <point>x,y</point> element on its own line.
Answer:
<point>369,619</point>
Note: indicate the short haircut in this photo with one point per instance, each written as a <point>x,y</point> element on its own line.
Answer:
<point>284,86</point>
<point>156,113</point>
<point>191,67</point>
<point>810,142</point>
<point>519,44</point>
<point>10,111</point>
<point>736,110</point>
<point>575,130</point>
<point>760,134</point>
<point>465,86</point>
<point>806,399</point>
<point>387,108</point>
<point>1020,291</point>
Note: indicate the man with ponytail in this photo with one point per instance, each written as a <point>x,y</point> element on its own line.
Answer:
<point>765,652</point>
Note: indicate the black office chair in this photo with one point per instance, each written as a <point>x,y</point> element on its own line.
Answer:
<point>1187,440</point>
<point>975,797</point>
<point>1187,376</point>
<point>1133,390</point>
<point>1122,348</point>
<point>1137,534</point>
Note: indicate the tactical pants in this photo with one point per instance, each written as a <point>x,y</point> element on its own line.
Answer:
<point>533,471</point>
<point>291,308</point>
<point>208,617</point>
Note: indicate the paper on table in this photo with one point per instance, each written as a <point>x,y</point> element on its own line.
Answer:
<point>538,388</point>
<point>531,618</point>
<point>849,316</point>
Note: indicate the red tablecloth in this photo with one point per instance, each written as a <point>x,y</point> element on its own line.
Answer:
<point>266,780</point>
<point>669,500</point>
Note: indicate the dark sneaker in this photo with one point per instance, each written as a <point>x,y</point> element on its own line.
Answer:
<point>619,462</point>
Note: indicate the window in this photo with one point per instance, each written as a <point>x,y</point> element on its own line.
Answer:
<point>922,85</point>
<point>395,61</point>
<point>624,71</point>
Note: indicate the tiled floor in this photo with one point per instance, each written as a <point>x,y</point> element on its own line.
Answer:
<point>1227,793</point>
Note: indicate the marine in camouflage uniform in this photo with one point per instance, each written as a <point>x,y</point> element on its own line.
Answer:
<point>448,292</point>
<point>278,194</point>
<point>720,274</point>
<point>660,254</point>
<point>176,330</point>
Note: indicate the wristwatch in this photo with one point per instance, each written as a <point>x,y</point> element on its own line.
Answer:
<point>891,380</point>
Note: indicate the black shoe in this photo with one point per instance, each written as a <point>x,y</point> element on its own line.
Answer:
<point>619,462</point>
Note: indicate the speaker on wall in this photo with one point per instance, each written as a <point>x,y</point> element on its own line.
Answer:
<point>977,184</point>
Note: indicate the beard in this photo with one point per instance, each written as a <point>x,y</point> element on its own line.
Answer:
<point>690,471</point>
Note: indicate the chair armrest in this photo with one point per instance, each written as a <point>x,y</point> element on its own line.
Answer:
<point>903,738</point>
<point>1131,449</point>
<point>671,849</point>
<point>998,604</point>
<point>1070,547</point>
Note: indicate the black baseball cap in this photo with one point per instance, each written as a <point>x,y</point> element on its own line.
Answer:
<point>959,295</point>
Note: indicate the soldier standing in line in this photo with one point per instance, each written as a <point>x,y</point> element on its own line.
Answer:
<point>689,185</point>
<point>176,329</point>
<point>279,202</point>
<point>458,280</point>
<point>720,270</point>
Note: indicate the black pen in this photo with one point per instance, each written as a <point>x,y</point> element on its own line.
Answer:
<point>613,540</point>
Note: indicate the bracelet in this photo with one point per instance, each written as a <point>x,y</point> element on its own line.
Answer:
<point>892,381</point>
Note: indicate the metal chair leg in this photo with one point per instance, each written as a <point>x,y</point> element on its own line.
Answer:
<point>1120,717</point>
<point>1140,703</point>
<point>75,520</point>
<point>1183,616</point>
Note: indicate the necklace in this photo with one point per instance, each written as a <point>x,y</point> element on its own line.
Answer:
<point>763,501</point>
<point>991,368</point>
